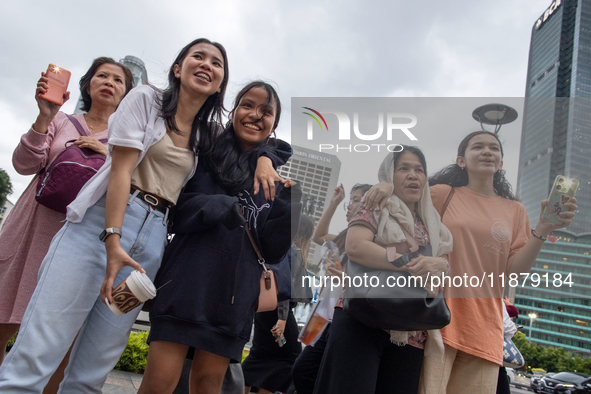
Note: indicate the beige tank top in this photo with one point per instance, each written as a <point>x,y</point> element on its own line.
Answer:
<point>163,169</point>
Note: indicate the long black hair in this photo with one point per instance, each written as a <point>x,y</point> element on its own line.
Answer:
<point>226,162</point>
<point>211,110</point>
<point>454,176</point>
<point>86,78</point>
<point>304,234</point>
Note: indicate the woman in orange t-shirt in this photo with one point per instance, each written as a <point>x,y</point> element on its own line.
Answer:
<point>491,232</point>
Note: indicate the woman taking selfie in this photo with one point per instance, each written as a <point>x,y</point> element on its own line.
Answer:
<point>28,230</point>
<point>492,236</point>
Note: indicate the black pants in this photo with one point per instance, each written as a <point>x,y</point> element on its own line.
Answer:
<point>503,382</point>
<point>359,359</point>
<point>305,369</point>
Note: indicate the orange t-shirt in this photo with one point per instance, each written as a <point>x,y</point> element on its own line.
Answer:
<point>487,232</point>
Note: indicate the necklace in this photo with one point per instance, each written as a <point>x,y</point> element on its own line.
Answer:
<point>88,124</point>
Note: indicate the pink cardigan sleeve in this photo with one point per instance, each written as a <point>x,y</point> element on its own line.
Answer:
<point>32,153</point>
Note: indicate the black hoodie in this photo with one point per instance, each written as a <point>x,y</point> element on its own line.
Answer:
<point>212,267</point>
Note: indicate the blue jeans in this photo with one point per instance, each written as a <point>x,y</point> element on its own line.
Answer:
<point>67,301</point>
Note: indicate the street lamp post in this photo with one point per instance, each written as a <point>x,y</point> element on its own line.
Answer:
<point>494,114</point>
<point>532,316</point>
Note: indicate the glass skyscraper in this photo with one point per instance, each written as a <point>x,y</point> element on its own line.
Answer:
<point>556,140</point>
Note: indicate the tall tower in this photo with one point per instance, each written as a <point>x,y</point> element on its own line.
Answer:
<point>556,140</point>
<point>138,70</point>
<point>317,174</point>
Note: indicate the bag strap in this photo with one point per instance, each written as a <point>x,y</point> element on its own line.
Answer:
<point>77,125</point>
<point>254,244</point>
<point>413,245</point>
<point>447,200</point>
<point>80,129</point>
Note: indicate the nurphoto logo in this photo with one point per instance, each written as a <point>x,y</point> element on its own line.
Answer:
<point>395,122</point>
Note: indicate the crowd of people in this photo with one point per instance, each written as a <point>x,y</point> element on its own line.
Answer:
<point>173,168</point>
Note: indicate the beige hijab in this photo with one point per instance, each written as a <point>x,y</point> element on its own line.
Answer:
<point>389,232</point>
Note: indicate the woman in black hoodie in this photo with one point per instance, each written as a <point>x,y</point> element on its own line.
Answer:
<point>211,265</point>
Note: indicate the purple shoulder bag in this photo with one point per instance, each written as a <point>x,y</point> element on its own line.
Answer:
<point>61,180</point>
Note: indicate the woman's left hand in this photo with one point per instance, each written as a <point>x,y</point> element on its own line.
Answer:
<point>544,228</point>
<point>425,266</point>
<point>92,143</point>
<point>278,330</point>
<point>266,175</point>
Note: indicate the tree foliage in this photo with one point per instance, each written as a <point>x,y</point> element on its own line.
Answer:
<point>5,187</point>
<point>551,359</point>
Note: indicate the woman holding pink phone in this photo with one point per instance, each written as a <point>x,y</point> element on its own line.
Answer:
<point>29,228</point>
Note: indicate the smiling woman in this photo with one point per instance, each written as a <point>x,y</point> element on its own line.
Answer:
<point>212,263</point>
<point>158,130</point>
<point>255,117</point>
<point>491,233</point>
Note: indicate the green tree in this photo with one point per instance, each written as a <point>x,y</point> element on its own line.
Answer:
<point>582,365</point>
<point>551,359</point>
<point>5,187</point>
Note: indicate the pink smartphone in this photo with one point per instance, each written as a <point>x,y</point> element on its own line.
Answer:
<point>58,79</point>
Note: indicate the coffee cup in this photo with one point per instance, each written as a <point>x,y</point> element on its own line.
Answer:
<point>136,289</point>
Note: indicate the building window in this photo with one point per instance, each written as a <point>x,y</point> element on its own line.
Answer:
<point>582,323</point>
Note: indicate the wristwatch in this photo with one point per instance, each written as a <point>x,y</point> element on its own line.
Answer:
<point>108,231</point>
<point>404,259</point>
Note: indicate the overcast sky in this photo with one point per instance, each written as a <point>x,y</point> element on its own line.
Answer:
<point>346,48</point>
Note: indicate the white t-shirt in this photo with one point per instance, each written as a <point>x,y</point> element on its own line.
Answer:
<point>136,124</point>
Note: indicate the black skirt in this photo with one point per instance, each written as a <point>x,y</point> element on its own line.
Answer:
<point>268,366</point>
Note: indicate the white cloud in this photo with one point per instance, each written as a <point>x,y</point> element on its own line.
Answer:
<point>347,48</point>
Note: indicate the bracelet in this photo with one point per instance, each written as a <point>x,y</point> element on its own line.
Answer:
<point>446,262</point>
<point>538,236</point>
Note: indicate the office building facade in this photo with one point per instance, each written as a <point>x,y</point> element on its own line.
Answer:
<point>317,173</point>
<point>556,140</point>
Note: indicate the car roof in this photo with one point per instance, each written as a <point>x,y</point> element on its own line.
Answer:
<point>575,377</point>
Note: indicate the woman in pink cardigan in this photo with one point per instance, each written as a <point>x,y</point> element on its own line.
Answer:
<point>28,230</point>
